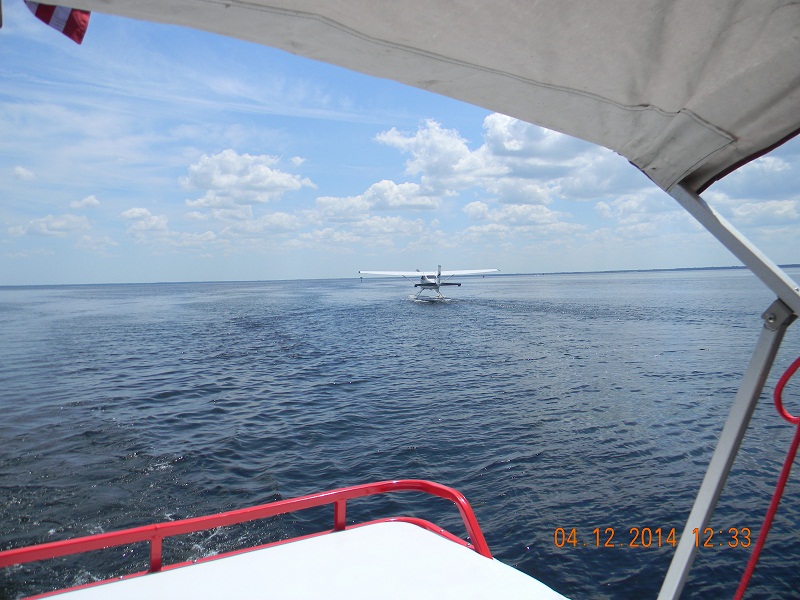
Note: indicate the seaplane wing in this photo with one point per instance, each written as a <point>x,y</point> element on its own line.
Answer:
<point>468,272</point>
<point>423,273</point>
<point>397,273</point>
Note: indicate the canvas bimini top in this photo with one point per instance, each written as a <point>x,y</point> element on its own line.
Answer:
<point>684,90</point>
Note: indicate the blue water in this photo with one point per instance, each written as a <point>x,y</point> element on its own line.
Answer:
<point>571,401</point>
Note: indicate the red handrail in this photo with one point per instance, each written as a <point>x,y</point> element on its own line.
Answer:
<point>780,486</point>
<point>157,532</point>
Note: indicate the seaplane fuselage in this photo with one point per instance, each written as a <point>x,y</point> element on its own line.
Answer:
<point>430,281</point>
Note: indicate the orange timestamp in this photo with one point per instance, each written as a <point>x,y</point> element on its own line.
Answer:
<point>736,537</point>
<point>638,537</point>
<point>648,537</point>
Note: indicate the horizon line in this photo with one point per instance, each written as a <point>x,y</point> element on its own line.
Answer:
<point>499,274</point>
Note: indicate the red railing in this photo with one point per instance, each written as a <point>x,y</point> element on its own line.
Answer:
<point>155,534</point>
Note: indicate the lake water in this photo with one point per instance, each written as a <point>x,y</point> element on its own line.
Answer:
<point>558,401</point>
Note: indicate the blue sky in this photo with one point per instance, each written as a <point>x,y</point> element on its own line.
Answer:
<point>156,153</point>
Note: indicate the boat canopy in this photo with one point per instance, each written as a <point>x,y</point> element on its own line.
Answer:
<point>687,91</point>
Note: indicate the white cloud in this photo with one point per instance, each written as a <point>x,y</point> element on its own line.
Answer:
<point>389,226</point>
<point>99,244</point>
<point>507,136</point>
<point>777,212</point>
<point>477,210</point>
<point>518,163</point>
<point>329,237</point>
<point>386,232</point>
<point>23,174</point>
<point>388,194</point>
<point>226,215</point>
<point>765,165</point>
<point>520,191</point>
<point>229,178</point>
<point>514,214</point>
<point>513,179</point>
<point>142,220</point>
<point>383,196</point>
<point>191,240</point>
<point>272,222</point>
<point>442,158</point>
<point>331,208</point>
<point>646,206</point>
<point>88,202</point>
<point>489,230</point>
<point>604,209</point>
<point>50,225</point>
<point>145,227</point>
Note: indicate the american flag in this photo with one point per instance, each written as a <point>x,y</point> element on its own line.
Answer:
<point>69,21</point>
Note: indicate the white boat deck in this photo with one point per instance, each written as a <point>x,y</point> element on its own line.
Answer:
<point>391,560</point>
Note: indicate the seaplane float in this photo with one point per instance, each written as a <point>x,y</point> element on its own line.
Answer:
<point>431,281</point>
<point>687,91</point>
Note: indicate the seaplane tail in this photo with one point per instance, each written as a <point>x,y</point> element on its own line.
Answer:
<point>431,280</point>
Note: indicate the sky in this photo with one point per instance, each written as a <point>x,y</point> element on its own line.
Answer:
<point>156,153</point>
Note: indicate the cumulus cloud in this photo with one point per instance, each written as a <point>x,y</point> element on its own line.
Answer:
<point>765,165</point>
<point>272,222</point>
<point>229,178</point>
<point>604,209</point>
<point>88,202</point>
<point>388,194</point>
<point>99,244</point>
<point>373,231</point>
<point>643,214</point>
<point>514,214</point>
<point>513,166</point>
<point>770,212</point>
<point>145,227</point>
<point>509,181</point>
<point>337,209</point>
<point>509,190</point>
<point>191,240</point>
<point>143,220</point>
<point>382,196</point>
<point>517,163</point>
<point>225,215</point>
<point>509,137</point>
<point>58,226</point>
<point>441,157</point>
<point>23,174</point>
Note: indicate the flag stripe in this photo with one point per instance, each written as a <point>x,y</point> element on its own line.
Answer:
<point>76,25</point>
<point>42,11</point>
<point>69,21</point>
<point>60,16</point>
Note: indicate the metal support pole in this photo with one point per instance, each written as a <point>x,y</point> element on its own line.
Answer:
<point>763,268</point>
<point>777,318</point>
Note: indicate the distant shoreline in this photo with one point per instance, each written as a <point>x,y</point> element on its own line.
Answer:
<point>665,270</point>
<point>540,274</point>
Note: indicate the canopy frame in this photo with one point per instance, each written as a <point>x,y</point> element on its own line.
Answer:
<point>777,319</point>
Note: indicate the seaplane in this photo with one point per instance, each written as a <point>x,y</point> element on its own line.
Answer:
<point>430,281</point>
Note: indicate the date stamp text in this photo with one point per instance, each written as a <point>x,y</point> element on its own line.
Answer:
<point>650,537</point>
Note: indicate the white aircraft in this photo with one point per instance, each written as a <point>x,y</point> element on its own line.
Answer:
<point>430,281</point>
